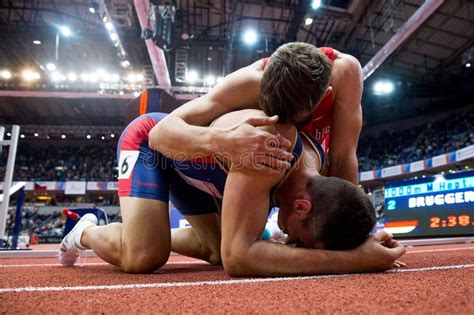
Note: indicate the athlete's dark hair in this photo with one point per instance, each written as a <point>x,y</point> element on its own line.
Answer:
<point>342,214</point>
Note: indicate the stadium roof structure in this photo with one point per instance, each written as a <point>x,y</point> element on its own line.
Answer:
<point>428,68</point>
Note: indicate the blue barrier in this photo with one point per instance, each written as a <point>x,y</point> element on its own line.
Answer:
<point>18,216</point>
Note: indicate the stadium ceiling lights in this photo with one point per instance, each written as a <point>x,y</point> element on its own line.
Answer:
<point>315,4</point>
<point>29,75</point>
<point>250,37</point>
<point>72,76</point>
<point>308,21</point>
<point>210,80</point>
<point>383,87</point>
<point>66,31</point>
<point>134,77</point>
<point>468,65</point>
<point>51,67</point>
<point>93,6</point>
<point>192,76</point>
<point>7,75</point>
<point>113,34</point>
<point>57,77</point>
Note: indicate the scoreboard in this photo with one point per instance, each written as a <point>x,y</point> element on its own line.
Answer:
<point>441,205</point>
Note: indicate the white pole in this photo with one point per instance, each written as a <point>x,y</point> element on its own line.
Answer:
<point>420,16</point>
<point>8,179</point>
<point>2,133</point>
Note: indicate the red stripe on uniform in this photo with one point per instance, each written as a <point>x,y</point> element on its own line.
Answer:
<point>131,141</point>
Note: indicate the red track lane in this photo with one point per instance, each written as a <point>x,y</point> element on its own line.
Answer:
<point>449,291</point>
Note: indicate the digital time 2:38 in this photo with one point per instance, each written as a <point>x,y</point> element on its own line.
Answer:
<point>450,221</point>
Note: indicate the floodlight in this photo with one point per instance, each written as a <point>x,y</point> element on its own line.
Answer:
<point>51,66</point>
<point>6,74</point>
<point>250,37</point>
<point>383,87</point>
<point>72,76</point>
<point>66,31</point>
<point>192,76</point>
<point>315,4</point>
<point>210,80</point>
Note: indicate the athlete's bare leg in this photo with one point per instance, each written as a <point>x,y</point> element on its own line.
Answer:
<point>141,243</point>
<point>202,240</point>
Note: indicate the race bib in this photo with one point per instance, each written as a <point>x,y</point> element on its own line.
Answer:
<point>126,163</point>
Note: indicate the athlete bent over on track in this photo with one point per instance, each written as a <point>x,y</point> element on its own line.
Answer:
<point>317,213</point>
<point>319,90</point>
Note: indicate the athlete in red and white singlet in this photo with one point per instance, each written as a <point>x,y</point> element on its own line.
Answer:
<point>320,125</point>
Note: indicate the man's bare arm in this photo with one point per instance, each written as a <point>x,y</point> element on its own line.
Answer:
<point>244,254</point>
<point>347,119</point>
<point>181,135</point>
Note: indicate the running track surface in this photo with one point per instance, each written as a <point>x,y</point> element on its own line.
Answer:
<point>437,280</point>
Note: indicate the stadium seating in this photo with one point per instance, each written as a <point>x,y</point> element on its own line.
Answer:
<point>64,163</point>
<point>393,148</point>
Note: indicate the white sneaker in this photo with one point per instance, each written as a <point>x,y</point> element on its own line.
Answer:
<point>71,246</point>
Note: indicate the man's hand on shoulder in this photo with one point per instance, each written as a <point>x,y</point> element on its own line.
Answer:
<point>257,148</point>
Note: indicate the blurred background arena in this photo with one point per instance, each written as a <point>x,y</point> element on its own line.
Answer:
<point>73,73</point>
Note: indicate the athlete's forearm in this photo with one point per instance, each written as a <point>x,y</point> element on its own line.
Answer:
<point>185,242</point>
<point>264,258</point>
<point>179,140</point>
<point>346,168</point>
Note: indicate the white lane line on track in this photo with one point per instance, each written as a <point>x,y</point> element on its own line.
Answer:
<point>209,283</point>
<point>439,250</point>
<point>98,264</point>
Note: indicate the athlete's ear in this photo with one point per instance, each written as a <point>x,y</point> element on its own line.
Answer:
<point>302,208</point>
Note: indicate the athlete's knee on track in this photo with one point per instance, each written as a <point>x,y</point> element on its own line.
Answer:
<point>213,253</point>
<point>145,260</point>
<point>144,263</point>
<point>215,258</point>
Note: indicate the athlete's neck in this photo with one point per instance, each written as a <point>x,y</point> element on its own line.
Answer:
<point>307,166</point>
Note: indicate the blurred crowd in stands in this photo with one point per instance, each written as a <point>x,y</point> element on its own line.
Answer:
<point>397,147</point>
<point>48,227</point>
<point>391,147</point>
<point>57,163</point>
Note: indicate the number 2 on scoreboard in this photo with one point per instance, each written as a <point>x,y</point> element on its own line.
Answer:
<point>391,205</point>
<point>434,222</point>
